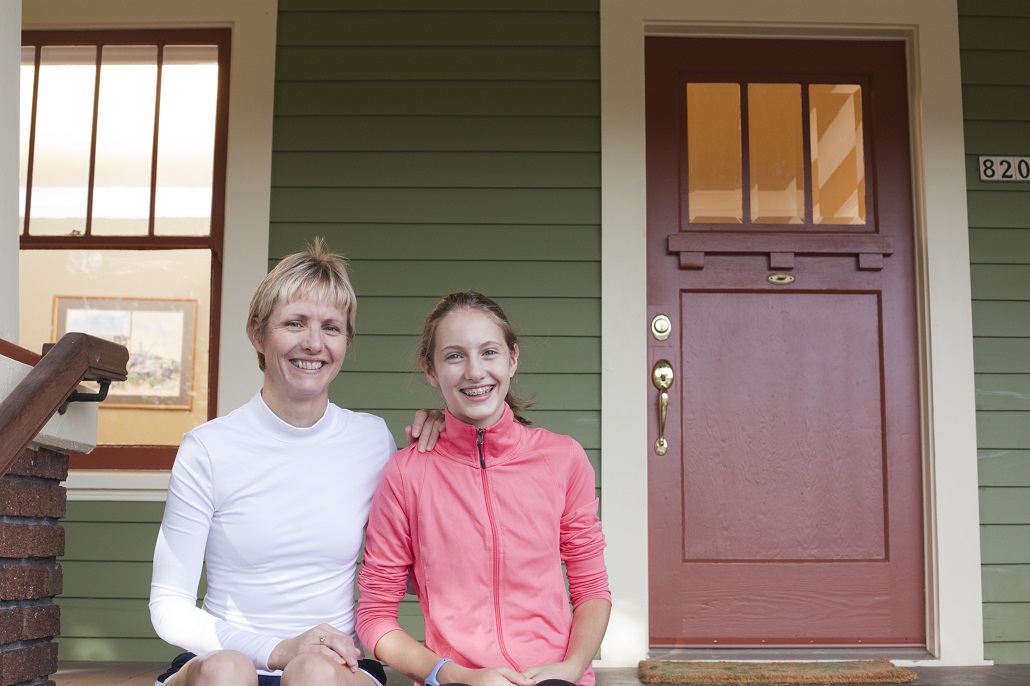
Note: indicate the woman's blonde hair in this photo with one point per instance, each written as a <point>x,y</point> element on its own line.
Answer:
<point>315,272</point>
<point>471,300</point>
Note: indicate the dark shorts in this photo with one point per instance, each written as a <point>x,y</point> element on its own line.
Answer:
<point>371,667</point>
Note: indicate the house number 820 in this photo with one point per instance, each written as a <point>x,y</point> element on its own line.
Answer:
<point>998,168</point>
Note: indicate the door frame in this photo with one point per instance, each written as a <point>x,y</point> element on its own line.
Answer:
<point>951,529</point>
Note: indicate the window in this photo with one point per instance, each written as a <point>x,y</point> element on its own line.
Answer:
<point>122,181</point>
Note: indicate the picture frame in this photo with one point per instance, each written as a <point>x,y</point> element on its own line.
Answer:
<point>159,335</point>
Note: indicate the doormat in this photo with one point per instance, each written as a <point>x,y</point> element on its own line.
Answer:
<point>847,672</point>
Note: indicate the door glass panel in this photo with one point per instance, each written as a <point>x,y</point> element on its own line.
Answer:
<point>838,163</point>
<point>186,138</point>
<point>714,178</point>
<point>64,132</point>
<point>125,141</point>
<point>775,153</point>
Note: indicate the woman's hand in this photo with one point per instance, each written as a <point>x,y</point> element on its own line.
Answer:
<point>322,639</point>
<point>425,428</point>
<point>558,670</point>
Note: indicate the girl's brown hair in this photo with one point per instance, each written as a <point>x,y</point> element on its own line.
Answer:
<point>471,300</point>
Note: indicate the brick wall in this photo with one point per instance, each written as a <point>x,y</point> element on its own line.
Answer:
<point>32,501</point>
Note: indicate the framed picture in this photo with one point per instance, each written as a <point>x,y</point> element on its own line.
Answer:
<point>158,335</point>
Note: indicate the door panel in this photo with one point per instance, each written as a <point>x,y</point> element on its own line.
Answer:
<point>787,509</point>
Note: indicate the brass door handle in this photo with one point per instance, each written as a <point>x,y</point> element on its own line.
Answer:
<point>661,377</point>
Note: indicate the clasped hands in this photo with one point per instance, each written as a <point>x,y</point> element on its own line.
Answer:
<point>322,639</point>
<point>505,676</point>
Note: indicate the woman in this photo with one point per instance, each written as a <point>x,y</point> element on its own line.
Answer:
<point>484,524</point>
<point>272,500</point>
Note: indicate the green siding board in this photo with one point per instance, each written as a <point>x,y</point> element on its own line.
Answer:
<point>998,103</point>
<point>1006,621</point>
<point>111,511</point>
<point>1001,318</point>
<point>1011,653</point>
<point>439,5</point>
<point>473,133</point>
<point>1003,392</point>
<point>82,617</point>
<point>570,355</point>
<point>554,392</point>
<point>998,208</point>
<point>462,98</point>
<point>533,318</point>
<point>1004,544</point>
<point>436,170</point>
<point>438,205</point>
<point>994,33</point>
<point>434,242</point>
<point>105,579</point>
<point>1006,583</point>
<point>449,63</point>
<point>1004,505</point>
<point>495,279</point>
<point>994,8</point>
<point>1004,467</point>
<point>1001,355</point>
<point>107,649</point>
<point>996,68</point>
<point>453,28</point>
<point>123,541</point>
<point>1000,430</point>
<point>999,246</point>
<point>1000,281</point>
<point>996,138</point>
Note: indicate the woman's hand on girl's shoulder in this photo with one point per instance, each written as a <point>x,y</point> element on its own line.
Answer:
<point>425,428</point>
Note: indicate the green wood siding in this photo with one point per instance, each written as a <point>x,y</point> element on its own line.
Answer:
<point>995,51</point>
<point>445,146</point>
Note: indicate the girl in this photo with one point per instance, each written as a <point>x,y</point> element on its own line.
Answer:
<point>485,524</point>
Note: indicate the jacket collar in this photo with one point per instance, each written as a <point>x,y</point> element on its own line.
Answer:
<point>499,441</point>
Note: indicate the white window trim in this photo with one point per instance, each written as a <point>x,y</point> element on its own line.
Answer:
<point>930,27</point>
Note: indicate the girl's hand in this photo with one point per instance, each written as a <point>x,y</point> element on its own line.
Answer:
<point>425,428</point>
<point>557,670</point>
<point>322,639</point>
<point>492,676</point>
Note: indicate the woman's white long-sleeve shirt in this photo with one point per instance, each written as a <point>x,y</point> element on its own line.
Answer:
<point>276,513</point>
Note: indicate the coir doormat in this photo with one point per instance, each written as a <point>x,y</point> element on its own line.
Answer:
<point>846,672</point>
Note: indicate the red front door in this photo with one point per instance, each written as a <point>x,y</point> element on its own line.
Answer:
<point>787,506</point>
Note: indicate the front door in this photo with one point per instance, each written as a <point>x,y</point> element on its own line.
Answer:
<point>785,502</point>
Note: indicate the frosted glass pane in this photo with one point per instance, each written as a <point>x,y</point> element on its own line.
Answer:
<point>776,155</point>
<point>186,139</point>
<point>125,141</point>
<point>715,182</point>
<point>64,130</point>
<point>838,162</point>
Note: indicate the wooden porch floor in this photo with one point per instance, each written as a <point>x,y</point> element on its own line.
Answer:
<point>143,674</point>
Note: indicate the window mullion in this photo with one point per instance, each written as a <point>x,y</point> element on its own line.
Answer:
<point>88,229</point>
<point>157,127</point>
<point>36,60</point>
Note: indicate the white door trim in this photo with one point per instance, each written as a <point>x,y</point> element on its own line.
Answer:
<point>930,28</point>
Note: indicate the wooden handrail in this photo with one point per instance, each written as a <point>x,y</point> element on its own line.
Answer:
<point>75,358</point>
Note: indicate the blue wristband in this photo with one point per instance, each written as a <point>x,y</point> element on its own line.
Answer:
<point>431,679</point>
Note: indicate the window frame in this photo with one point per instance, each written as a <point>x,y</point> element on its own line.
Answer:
<point>146,456</point>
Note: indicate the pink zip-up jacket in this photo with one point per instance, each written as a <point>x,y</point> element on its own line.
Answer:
<point>485,521</point>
